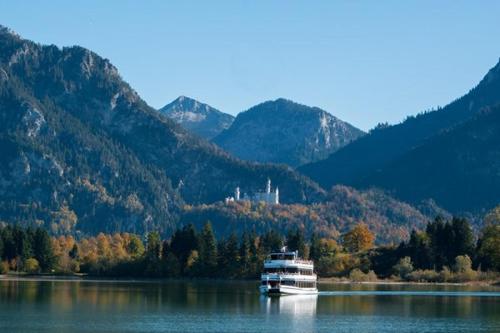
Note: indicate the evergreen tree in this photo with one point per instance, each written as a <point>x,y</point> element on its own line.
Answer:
<point>207,261</point>
<point>74,253</point>
<point>271,241</point>
<point>222,262</point>
<point>153,252</point>
<point>315,247</point>
<point>462,238</point>
<point>170,265</point>
<point>245,255</point>
<point>43,251</point>
<point>135,246</point>
<point>295,241</point>
<point>9,245</point>
<point>255,259</point>
<point>449,240</point>
<point>183,242</point>
<point>437,232</point>
<point>419,250</point>
<point>1,245</point>
<point>22,243</point>
<point>232,256</point>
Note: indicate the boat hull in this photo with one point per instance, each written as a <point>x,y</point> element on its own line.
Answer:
<point>286,290</point>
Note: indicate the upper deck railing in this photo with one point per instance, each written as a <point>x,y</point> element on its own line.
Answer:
<point>289,256</point>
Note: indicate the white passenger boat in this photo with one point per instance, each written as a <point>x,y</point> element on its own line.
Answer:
<point>285,273</point>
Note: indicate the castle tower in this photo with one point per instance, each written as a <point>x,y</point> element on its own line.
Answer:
<point>237,194</point>
<point>277,196</point>
<point>268,186</point>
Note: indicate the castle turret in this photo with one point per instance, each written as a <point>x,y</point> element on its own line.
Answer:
<point>237,194</point>
<point>268,186</point>
<point>277,196</point>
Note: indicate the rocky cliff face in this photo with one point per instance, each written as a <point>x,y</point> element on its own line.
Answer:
<point>282,131</point>
<point>199,118</point>
<point>81,151</point>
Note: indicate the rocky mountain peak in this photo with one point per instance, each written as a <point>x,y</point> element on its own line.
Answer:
<point>283,131</point>
<point>197,117</point>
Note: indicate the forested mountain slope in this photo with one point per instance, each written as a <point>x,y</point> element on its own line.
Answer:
<point>82,151</point>
<point>353,163</point>
<point>459,168</point>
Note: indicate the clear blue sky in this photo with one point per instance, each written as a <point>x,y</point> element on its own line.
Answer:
<point>365,62</point>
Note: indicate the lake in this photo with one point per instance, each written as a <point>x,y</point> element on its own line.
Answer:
<point>235,306</point>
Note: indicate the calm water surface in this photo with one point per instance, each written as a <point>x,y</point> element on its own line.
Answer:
<point>86,306</point>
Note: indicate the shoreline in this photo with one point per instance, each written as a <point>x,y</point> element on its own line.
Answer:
<point>86,278</point>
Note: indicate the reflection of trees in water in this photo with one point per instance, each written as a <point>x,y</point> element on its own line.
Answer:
<point>25,291</point>
<point>237,298</point>
<point>116,296</point>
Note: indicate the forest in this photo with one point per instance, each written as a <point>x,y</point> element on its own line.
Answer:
<point>447,250</point>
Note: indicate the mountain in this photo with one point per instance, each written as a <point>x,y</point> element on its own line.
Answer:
<point>282,131</point>
<point>82,152</point>
<point>459,168</point>
<point>197,117</point>
<point>356,161</point>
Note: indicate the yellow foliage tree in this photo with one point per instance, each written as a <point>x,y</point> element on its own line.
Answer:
<point>31,266</point>
<point>359,238</point>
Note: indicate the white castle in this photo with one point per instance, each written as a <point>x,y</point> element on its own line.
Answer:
<point>268,196</point>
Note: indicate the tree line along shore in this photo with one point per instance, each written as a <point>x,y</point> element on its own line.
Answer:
<point>446,251</point>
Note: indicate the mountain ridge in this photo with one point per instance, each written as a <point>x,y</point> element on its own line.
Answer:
<point>459,168</point>
<point>352,163</point>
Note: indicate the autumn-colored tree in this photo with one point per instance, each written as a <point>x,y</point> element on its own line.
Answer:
<point>31,266</point>
<point>118,249</point>
<point>359,238</point>
<point>64,220</point>
<point>493,217</point>
<point>103,246</point>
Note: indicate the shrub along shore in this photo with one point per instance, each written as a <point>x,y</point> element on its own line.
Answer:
<point>445,252</point>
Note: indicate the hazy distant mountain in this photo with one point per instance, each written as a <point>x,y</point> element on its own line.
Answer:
<point>352,164</point>
<point>197,117</point>
<point>459,168</point>
<point>80,150</point>
<point>282,131</point>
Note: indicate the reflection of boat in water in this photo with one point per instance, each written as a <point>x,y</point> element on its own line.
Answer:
<point>285,273</point>
<point>295,305</point>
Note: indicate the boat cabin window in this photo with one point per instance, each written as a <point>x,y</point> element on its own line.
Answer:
<point>300,284</point>
<point>306,272</point>
<point>291,270</point>
<point>282,256</point>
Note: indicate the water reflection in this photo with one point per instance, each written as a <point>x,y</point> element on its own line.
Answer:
<point>231,306</point>
<point>298,306</point>
<point>294,313</point>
